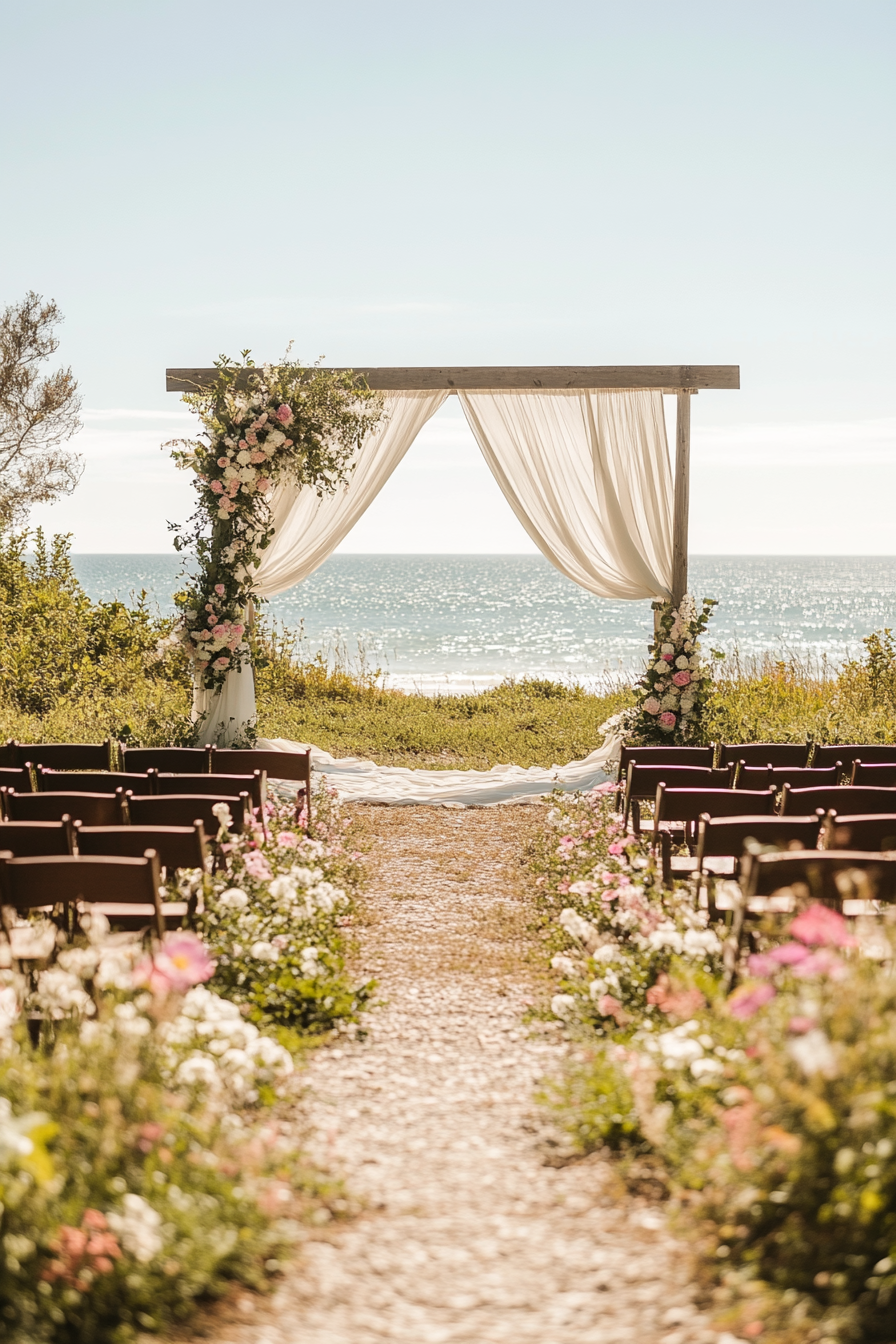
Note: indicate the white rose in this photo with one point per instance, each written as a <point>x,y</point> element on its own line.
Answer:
<point>681,663</point>
<point>667,648</point>
<point>597,989</point>
<point>563,1006</point>
<point>565,965</point>
<point>231,473</point>
<point>248,475</point>
<point>233,899</point>
<point>243,457</point>
<point>263,951</point>
<point>661,666</point>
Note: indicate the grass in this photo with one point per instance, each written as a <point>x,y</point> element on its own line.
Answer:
<point>74,670</point>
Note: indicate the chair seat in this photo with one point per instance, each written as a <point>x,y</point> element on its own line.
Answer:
<point>124,916</point>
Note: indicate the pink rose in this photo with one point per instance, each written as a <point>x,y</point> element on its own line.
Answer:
<point>668,657</point>
<point>257,866</point>
<point>218,631</point>
<point>262,484</point>
<point>667,720</point>
<point>258,457</point>
<point>284,414</point>
<point>616,848</point>
<point>221,663</point>
<point>219,589</point>
<point>819,926</point>
<point>217,487</point>
<point>682,679</point>
<point>243,443</point>
<point>251,439</point>
<point>800,1025</point>
<point>223,461</point>
<point>788,954</point>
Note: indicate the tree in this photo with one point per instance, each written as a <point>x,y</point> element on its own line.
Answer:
<point>37,414</point>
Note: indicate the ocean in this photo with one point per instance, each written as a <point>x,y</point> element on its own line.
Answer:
<point>457,622</point>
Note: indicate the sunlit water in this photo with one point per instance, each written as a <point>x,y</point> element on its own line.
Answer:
<point>456,621</point>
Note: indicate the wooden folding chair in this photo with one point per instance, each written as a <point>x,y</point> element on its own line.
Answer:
<point>826,877</point>
<point>93,809</point>
<point>176,846</point>
<point>875,776</point>
<point>727,837</point>
<point>254,783</point>
<point>126,890</point>
<point>776,754</point>
<point>65,755</point>
<point>677,811</point>
<point>643,780</point>
<point>89,781</point>
<point>185,809</point>
<point>701,757</point>
<point>293,767</point>
<point>169,760</point>
<point>30,839</point>
<point>869,832</point>
<point>870,753</point>
<point>15,778</point>
<point>760,777</point>
<point>840,798</point>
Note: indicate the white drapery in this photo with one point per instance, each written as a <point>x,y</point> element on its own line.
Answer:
<point>587,474</point>
<point>307,529</point>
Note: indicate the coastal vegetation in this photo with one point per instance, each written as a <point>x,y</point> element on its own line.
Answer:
<point>76,670</point>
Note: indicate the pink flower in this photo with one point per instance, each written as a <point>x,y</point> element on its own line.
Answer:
<point>617,847</point>
<point>204,634</point>
<point>287,840</point>
<point>800,1025</point>
<point>257,866</point>
<point>182,960</point>
<point>822,962</point>
<point>820,925</point>
<point>668,657</point>
<point>217,487</point>
<point>682,678</point>
<point>610,1007</point>
<point>221,662</point>
<point>243,443</point>
<point>258,457</point>
<point>284,414</point>
<point>237,629</point>
<point>251,439</point>
<point>567,842</point>
<point>219,589</point>
<point>788,954</point>
<point>761,964</point>
<point>747,999</point>
<point>667,720</point>
<point>223,461</point>
<point>218,631</point>
<point>212,620</point>
<point>262,485</point>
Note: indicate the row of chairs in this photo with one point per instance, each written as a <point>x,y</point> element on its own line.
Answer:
<point>779,755</point>
<point>152,782</point>
<point>128,809</point>
<point>127,889</point>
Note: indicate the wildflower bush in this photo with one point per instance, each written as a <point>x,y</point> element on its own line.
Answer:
<point>771,1108</point>
<point>145,1158</point>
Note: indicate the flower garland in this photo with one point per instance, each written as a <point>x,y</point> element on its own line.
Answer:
<point>262,426</point>
<point>673,692</point>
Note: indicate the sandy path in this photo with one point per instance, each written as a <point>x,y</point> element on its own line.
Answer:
<point>470,1235</point>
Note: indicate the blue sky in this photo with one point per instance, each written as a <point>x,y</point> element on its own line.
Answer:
<point>473,183</point>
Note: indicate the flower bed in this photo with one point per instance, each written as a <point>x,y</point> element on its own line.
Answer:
<point>771,1110</point>
<point>147,1158</point>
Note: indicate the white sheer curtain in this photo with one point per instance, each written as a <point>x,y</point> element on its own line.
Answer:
<point>587,473</point>
<point>307,530</point>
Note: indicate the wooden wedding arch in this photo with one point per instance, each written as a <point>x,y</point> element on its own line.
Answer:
<point>684,380</point>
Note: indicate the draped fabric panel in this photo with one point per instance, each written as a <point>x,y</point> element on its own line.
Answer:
<point>307,529</point>
<point>587,473</point>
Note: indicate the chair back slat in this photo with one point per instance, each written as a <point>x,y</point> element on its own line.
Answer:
<point>176,760</point>
<point>869,753</point>
<point>840,798</point>
<point>28,883</point>
<point>94,809</point>
<point>868,831</point>
<point>255,784</point>
<point>759,777</point>
<point>643,780</point>
<point>66,755</point>
<point>701,757</point>
<point>293,767</point>
<point>26,839</point>
<point>176,846</point>
<point>828,877</point>
<point>687,805</point>
<point>18,778</point>
<point>726,837</point>
<point>877,776</point>
<point>92,781</point>
<point>183,809</point>
<point>777,754</point>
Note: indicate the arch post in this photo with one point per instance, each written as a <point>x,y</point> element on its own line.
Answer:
<point>681,497</point>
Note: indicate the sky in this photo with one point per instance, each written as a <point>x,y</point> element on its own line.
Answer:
<point>479,183</point>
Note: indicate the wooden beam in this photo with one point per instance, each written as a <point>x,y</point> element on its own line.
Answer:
<point>682,495</point>
<point>668,377</point>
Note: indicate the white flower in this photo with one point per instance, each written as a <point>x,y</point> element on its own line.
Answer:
<point>597,989</point>
<point>243,457</point>
<point>198,1068</point>
<point>706,1068</point>
<point>263,951</point>
<point>582,888</point>
<point>667,648</point>
<point>814,1053</point>
<point>565,965</point>
<point>669,700</point>
<point>248,474</point>
<point>687,706</point>
<point>129,1020</point>
<point>81,961</point>
<point>60,992</point>
<point>222,812</point>
<point>682,663</point>
<point>697,942</point>
<point>310,964</point>
<point>138,1228</point>
<point>563,1006</point>
<point>577,927</point>
<point>9,1008</point>
<point>233,899</point>
<point>605,953</point>
<point>661,666</point>
<point>666,935</point>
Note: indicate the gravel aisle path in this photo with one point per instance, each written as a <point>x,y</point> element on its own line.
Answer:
<point>469,1234</point>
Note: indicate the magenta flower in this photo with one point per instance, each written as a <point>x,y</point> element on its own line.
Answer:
<point>668,657</point>
<point>180,962</point>
<point>284,414</point>
<point>682,678</point>
<point>821,926</point>
<point>257,866</point>
<point>748,999</point>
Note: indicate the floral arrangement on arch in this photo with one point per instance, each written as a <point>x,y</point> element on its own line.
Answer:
<point>673,692</point>
<point>262,426</point>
